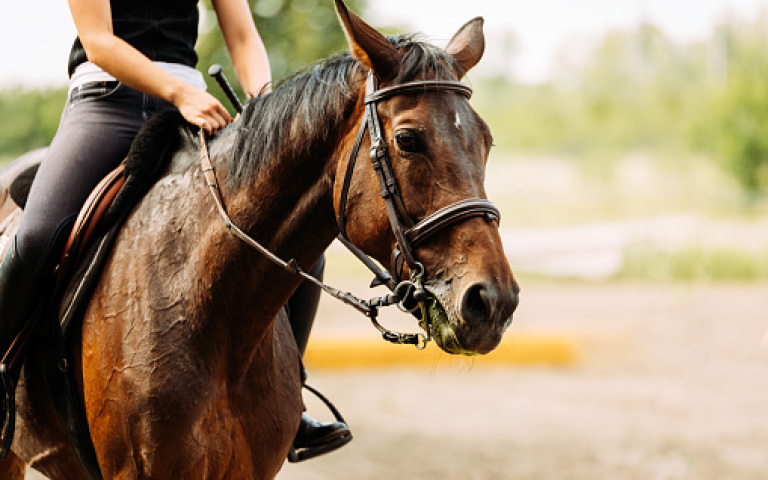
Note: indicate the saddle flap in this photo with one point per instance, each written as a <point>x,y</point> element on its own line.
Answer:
<point>89,218</point>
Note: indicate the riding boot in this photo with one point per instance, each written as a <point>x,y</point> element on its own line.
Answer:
<point>313,438</point>
<point>18,295</point>
<point>302,306</point>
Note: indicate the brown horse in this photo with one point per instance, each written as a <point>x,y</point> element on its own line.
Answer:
<point>189,368</point>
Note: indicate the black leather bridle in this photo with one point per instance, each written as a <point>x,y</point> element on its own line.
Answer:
<point>409,295</point>
<point>408,234</point>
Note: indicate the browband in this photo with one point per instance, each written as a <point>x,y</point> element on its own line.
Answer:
<point>419,86</point>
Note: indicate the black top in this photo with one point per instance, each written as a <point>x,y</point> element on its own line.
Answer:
<point>163,30</point>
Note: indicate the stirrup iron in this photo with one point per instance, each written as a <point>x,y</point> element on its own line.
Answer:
<point>295,456</point>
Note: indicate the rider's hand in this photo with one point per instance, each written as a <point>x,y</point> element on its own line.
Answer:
<point>202,109</point>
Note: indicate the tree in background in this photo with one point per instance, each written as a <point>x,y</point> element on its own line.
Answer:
<point>28,119</point>
<point>737,127</point>
<point>296,33</point>
<point>636,91</point>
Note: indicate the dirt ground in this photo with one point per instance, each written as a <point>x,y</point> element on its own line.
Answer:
<point>671,384</point>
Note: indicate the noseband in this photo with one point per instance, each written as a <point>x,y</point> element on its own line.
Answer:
<point>408,234</point>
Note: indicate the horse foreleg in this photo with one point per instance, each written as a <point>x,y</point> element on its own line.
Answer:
<point>12,467</point>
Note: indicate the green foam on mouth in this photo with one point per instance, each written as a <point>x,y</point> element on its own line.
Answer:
<point>441,329</point>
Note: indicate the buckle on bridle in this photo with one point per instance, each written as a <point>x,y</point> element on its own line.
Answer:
<point>411,292</point>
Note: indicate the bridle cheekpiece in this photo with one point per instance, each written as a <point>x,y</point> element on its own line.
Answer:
<point>408,234</point>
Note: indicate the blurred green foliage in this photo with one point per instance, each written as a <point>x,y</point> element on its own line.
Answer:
<point>736,125</point>
<point>694,264</point>
<point>641,91</point>
<point>296,33</point>
<point>28,119</point>
<point>638,90</point>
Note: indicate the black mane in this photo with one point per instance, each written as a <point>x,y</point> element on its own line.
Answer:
<point>311,104</point>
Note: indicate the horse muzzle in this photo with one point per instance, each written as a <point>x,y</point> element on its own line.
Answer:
<point>471,321</point>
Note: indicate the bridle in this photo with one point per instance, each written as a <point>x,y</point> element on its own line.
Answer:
<point>408,234</point>
<point>409,295</point>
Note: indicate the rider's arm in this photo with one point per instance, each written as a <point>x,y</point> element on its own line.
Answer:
<point>249,56</point>
<point>93,19</point>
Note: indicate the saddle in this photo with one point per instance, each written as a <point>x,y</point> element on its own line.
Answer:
<point>83,259</point>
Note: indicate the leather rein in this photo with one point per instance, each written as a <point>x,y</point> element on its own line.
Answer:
<point>408,234</point>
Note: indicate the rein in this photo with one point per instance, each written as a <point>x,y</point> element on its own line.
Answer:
<point>408,234</point>
<point>369,308</point>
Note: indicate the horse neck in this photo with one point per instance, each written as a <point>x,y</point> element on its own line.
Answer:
<point>287,208</point>
<point>287,203</point>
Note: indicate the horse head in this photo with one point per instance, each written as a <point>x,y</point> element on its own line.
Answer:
<point>436,218</point>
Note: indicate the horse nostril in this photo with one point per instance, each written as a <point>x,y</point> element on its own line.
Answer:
<point>478,303</point>
<point>482,302</point>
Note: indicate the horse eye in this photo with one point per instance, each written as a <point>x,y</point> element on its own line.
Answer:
<point>410,141</point>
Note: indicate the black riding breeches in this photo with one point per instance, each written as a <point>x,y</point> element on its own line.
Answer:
<point>97,127</point>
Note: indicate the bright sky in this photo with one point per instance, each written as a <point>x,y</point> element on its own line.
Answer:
<point>523,36</point>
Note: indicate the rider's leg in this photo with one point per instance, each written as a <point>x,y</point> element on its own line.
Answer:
<point>313,436</point>
<point>302,306</point>
<point>19,288</point>
<point>95,132</point>
<point>94,136</point>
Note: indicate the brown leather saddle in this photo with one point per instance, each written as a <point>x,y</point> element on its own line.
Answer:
<point>89,218</point>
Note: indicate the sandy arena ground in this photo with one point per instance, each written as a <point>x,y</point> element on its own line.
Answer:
<point>671,384</point>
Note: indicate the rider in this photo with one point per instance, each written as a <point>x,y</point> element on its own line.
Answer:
<point>132,59</point>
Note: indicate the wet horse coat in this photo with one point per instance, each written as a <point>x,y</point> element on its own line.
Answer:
<point>189,367</point>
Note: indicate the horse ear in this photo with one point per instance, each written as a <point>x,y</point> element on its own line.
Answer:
<point>468,45</point>
<point>368,45</point>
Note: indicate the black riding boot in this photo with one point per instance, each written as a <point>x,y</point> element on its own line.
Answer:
<point>19,292</point>
<point>313,438</point>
